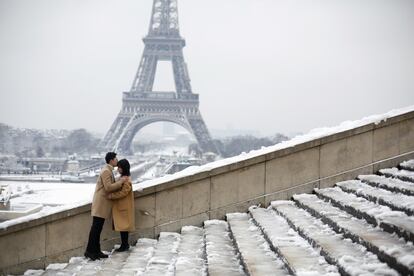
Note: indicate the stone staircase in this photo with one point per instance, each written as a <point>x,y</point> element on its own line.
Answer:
<point>359,227</point>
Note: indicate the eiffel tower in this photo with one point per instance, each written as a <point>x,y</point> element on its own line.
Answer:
<point>141,105</point>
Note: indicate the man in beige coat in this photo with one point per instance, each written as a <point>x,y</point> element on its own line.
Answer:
<point>102,206</point>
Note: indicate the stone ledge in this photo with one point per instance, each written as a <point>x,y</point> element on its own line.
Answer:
<point>46,219</point>
<point>282,152</point>
<point>395,119</point>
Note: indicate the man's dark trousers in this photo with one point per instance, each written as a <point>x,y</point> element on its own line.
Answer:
<point>94,245</point>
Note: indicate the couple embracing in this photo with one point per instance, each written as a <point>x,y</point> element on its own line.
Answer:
<point>114,197</point>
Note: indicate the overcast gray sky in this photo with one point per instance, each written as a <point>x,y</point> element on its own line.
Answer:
<point>268,65</point>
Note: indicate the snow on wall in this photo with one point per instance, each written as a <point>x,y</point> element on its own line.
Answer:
<point>311,135</point>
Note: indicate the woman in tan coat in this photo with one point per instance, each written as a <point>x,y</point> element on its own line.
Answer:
<point>123,210</point>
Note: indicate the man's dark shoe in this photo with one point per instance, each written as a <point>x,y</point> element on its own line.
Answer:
<point>92,256</point>
<point>102,255</point>
<point>123,248</point>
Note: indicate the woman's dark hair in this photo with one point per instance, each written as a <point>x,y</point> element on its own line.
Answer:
<point>109,156</point>
<point>124,165</point>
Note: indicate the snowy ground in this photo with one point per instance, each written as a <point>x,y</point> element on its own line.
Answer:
<point>53,193</point>
<point>54,196</point>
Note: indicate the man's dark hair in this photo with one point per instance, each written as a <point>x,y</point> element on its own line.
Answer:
<point>109,156</point>
<point>124,165</point>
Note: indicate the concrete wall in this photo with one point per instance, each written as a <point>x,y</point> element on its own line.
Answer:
<point>210,195</point>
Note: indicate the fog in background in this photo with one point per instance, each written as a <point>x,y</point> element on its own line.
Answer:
<point>265,65</point>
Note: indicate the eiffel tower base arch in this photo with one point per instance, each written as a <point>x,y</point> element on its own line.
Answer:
<point>121,140</point>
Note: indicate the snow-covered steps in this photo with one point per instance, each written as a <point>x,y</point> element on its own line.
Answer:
<point>387,183</point>
<point>395,251</point>
<point>56,269</point>
<point>165,254</point>
<point>91,268</point>
<point>34,272</point>
<point>396,201</point>
<point>298,255</point>
<point>132,262</point>
<point>139,256</point>
<point>82,267</point>
<point>113,264</point>
<point>257,257</point>
<point>391,221</point>
<point>396,173</point>
<point>191,254</point>
<point>222,256</point>
<point>74,266</point>
<point>407,165</point>
<point>352,259</point>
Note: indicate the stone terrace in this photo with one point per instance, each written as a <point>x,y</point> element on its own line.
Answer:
<point>359,227</point>
<point>303,235</point>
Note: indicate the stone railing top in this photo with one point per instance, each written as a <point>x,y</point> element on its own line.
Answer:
<point>315,137</point>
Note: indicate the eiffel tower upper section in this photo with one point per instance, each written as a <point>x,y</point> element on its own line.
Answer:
<point>164,19</point>
<point>163,42</point>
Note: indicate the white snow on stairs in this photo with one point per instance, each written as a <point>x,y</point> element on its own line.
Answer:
<point>351,258</point>
<point>391,184</point>
<point>407,165</point>
<point>299,256</point>
<point>222,258</point>
<point>256,255</point>
<point>165,255</point>
<point>376,214</point>
<point>395,201</point>
<point>191,252</point>
<point>405,175</point>
<point>396,252</point>
<point>138,257</point>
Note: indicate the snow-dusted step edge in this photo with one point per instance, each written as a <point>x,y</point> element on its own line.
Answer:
<point>57,269</point>
<point>257,257</point>
<point>396,173</point>
<point>165,254</point>
<point>91,268</point>
<point>191,252</point>
<point>396,201</point>
<point>222,256</point>
<point>113,264</point>
<point>407,165</point>
<point>387,183</point>
<point>131,262</point>
<point>75,264</point>
<point>108,266</point>
<point>296,252</point>
<point>351,258</point>
<point>396,252</point>
<point>138,258</point>
<point>33,272</point>
<point>391,221</point>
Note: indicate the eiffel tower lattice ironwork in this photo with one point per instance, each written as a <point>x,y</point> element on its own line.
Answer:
<point>141,105</point>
